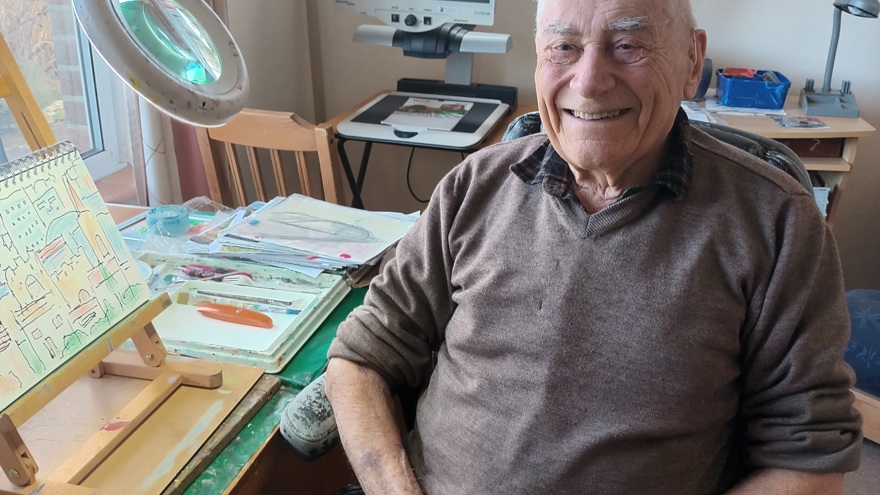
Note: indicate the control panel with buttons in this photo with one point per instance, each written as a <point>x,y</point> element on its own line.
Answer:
<point>425,15</point>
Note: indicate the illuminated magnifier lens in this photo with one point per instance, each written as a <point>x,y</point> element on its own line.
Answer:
<point>174,38</point>
<point>176,54</point>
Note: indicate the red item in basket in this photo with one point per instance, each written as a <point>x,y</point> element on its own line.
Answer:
<point>738,72</point>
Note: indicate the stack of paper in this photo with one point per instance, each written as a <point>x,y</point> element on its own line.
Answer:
<point>305,234</point>
<point>296,311</point>
<point>187,332</point>
<point>292,259</point>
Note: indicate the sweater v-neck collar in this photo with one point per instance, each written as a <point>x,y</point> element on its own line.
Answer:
<point>546,167</point>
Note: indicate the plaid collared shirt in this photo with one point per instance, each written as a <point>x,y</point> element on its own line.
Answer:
<point>547,167</point>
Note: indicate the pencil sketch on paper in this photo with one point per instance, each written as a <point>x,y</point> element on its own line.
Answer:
<point>330,230</point>
<point>304,227</point>
<point>66,276</point>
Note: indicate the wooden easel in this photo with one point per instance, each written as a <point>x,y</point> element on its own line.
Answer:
<point>21,102</point>
<point>148,362</point>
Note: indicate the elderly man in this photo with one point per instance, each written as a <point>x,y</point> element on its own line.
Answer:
<point>620,305</point>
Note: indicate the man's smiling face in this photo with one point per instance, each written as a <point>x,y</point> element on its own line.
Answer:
<point>610,77</point>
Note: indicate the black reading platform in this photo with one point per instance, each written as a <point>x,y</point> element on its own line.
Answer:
<point>372,122</point>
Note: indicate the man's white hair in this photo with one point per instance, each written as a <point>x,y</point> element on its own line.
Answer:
<point>680,10</point>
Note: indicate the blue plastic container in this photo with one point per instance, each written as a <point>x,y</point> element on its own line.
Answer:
<point>168,220</point>
<point>766,89</point>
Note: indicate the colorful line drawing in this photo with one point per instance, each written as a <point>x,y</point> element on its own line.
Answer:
<point>429,113</point>
<point>66,276</point>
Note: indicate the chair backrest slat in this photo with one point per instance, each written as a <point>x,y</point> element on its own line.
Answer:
<point>278,171</point>
<point>235,173</point>
<point>278,133</point>
<point>256,172</point>
<point>303,172</point>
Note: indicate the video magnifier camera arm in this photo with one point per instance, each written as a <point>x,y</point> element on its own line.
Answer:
<point>455,42</point>
<point>437,29</point>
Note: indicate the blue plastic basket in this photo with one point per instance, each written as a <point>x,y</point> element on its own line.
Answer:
<point>759,91</point>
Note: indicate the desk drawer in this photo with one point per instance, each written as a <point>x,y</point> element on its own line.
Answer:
<point>815,148</point>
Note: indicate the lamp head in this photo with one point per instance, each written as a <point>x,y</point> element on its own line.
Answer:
<point>176,54</point>
<point>860,8</point>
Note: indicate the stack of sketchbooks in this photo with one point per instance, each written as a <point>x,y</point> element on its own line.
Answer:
<point>295,304</point>
<point>304,234</point>
<point>291,259</point>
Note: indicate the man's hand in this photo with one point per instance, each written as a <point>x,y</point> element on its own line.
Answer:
<point>784,482</point>
<point>364,414</point>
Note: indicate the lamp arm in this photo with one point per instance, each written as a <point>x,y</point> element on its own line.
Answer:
<point>832,51</point>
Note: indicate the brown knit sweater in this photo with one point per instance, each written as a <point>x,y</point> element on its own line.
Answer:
<point>656,346</point>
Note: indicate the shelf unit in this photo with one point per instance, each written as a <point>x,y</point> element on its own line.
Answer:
<point>829,152</point>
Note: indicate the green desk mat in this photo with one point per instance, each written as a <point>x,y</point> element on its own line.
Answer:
<point>305,366</point>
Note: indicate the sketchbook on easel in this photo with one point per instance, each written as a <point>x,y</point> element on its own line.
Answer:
<point>66,276</point>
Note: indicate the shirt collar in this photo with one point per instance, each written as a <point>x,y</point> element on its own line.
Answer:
<point>545,166</point>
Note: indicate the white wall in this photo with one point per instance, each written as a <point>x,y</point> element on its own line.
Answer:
<point>790,36</point>
<point>279,69</point>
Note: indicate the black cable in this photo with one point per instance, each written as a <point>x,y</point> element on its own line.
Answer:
<point>408,183</point>
<point>409,168</point>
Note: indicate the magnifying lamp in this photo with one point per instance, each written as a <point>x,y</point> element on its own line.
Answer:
<point>837,103</point>
<point>176,54</point>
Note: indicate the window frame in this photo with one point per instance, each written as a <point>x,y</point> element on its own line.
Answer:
<point>107,112</point>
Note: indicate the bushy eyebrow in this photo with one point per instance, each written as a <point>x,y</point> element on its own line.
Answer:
<point>629,24</point>
<point>634,23</point>
<point>560,29</point>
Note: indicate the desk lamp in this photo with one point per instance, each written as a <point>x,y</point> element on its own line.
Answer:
<point>836,103</point>
<point>176,54</point>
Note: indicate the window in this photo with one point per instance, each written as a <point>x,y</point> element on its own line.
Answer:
<point>81,98</point>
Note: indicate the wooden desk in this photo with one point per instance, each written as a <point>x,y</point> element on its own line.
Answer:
<point>356,184</point>
<point>827,153</point>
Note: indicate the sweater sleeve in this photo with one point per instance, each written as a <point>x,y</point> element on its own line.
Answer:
<point>408,305</point>
<point>797,408</point>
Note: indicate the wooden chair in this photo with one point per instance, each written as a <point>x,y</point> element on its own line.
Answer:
<point>248,134</point>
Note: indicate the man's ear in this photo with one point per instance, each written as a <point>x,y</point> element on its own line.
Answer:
<point>696,55</point>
